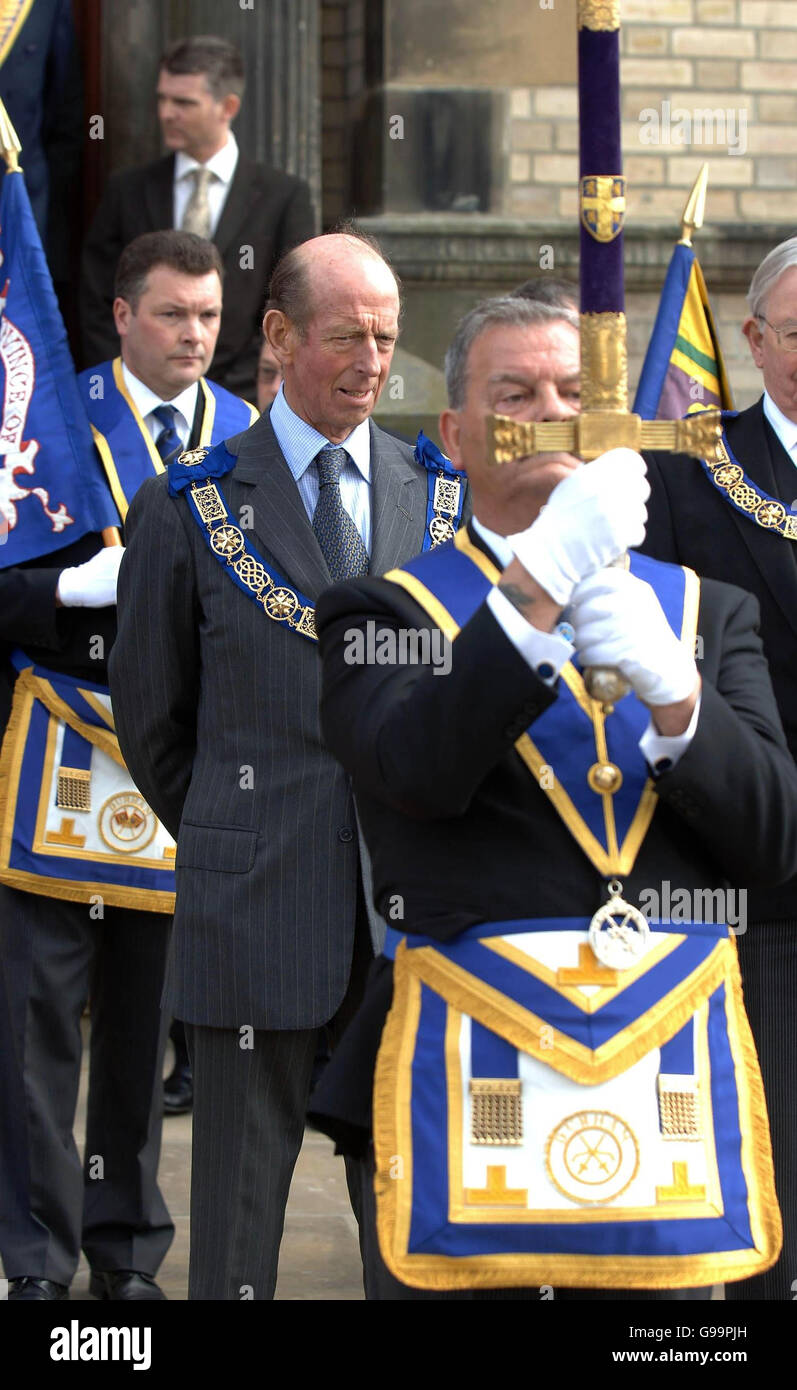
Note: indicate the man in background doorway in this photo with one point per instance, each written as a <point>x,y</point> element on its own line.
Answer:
<point>205,185</point>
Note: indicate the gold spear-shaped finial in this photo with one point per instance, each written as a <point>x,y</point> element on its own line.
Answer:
<point>695,210</point>
<point>9,141</point>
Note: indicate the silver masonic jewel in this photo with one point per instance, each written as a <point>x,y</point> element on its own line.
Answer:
<point>618,933</point>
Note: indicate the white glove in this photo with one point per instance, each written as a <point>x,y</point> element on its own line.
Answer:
<point>618,621</point>
<point>92,585</point>
<point>590,518</point>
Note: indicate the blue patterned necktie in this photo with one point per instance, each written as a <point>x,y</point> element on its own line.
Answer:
<point>340,541</point>
<point>168,440</point>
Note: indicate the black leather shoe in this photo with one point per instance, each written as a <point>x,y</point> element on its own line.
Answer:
<point>124,1285</point>
<point>178,1091</point>
<point>27,1290</point>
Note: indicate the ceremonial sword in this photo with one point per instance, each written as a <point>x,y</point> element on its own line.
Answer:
<point>605,421</point>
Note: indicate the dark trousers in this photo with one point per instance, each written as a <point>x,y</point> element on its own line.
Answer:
<point>53,957</point>
<point>768,958</point>
<point>250,1104</point>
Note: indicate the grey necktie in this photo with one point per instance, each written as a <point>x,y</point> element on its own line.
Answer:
<point>340,541</point>
<point>196,217</point>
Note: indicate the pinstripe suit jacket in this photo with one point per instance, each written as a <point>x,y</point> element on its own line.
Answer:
<point>217,714</point>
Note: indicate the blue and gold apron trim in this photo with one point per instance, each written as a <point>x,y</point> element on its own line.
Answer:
<point>124,443</point>
<point>72,825</point>
<point>573,737</point>
<point>749,498</point>
<point>13,16</point>
<point>623,1147</point>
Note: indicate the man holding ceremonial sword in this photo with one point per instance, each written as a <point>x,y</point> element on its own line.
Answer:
<point>564,1094</point>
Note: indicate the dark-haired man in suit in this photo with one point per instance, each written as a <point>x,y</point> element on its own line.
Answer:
<point>205,185</point>
<point>217,683</point>
<point>55,948</point>
<point>737,521</point>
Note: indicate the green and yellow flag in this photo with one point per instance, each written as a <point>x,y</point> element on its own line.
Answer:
<point>683,369</point>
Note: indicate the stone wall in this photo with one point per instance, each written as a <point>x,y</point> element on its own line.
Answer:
<point>711,80</point>
<point>458,139</point>
<point>448,264</point>
<point>342,88</point>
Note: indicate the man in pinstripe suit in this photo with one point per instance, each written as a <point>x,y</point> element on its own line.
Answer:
<point>217,713</point>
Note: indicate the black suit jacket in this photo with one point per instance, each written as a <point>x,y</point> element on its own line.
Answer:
<point>217,715</point>
<point>692,523</point>
<point>266,213</point>
<point>458,826</point>
<point>62,639</point>
<point>438,781</point>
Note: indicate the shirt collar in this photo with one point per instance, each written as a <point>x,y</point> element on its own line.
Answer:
<point>499,545</point>
<point>300,442</point>
<point>785,429</point>
<point>222,163</point>
<point>146,401</point>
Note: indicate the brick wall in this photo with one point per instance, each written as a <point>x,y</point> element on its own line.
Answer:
<point>735,59</point>
<point>711,80</point>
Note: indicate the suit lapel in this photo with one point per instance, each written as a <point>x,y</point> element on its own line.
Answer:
<point>281,527</point>
<point>398,503</point>
<point>159,194</point>
<point>749,439</point>
<point>236,205</point>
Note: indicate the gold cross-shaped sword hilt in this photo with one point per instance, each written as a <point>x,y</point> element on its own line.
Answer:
<point>589,435</point>
<point>596,431</point>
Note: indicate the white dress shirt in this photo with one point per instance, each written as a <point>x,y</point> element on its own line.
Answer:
<point>547,652</point>
<point>146,401</point>
<point>300,443</point>
<point>222,165</point>
<point>785,429</point>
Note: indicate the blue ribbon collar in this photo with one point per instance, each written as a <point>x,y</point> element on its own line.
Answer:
<point>198,465</point>
<point>445,493</point>
<point>196,473</point>
<point>123,441</point>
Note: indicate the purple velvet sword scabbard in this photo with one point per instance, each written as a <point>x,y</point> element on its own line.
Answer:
<point>600,153</point>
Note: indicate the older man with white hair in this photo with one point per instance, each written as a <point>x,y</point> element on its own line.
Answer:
<point>218,686</point>
<point>736,519</point>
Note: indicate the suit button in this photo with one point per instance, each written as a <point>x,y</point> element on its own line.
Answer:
<point>345,834</point>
